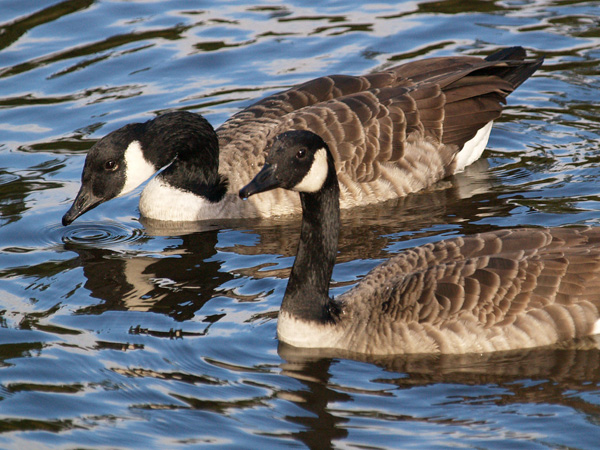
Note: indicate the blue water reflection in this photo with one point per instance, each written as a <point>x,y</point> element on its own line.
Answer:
<point>117,332</point>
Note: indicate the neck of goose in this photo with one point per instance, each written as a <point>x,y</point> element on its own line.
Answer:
<point>307,293</point>
<point>187,144</point>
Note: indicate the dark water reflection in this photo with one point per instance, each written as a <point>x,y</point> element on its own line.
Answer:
<point>118,332</point>
<point>177,283</point>
<point>509,380</point>
<point>191,263</point>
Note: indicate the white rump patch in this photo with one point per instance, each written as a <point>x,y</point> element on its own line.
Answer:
<point>473,148</point>
<point>137,168</point>
<point>314,179</point>
<point>596,329</point>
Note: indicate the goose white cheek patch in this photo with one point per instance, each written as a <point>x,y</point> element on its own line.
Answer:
<point>314,179</point>
<point>137,168</point>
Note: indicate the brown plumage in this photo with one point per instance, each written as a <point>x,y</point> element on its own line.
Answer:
<point>501,290</point>
<point>391,133</point>
<point>493,291</point>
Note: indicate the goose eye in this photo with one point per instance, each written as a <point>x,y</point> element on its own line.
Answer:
<point>111,165</point>
<point>301,153</point>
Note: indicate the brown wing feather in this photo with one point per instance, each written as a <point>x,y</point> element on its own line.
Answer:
<point>361,130</point>
<point>368,121</point>
<point>494,279</point>
<point>306,94</point>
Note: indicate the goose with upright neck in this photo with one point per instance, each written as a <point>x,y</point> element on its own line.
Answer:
<point>502,290</point>
<point>391,133</point>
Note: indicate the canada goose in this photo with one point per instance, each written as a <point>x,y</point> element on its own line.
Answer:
<point>501,290</point>
<point>391,133</point>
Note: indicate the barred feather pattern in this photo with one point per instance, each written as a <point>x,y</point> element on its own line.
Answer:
<point>495,291</point>
<point>391,133</point>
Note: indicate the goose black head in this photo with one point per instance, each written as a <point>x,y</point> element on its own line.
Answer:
<point>114,166</point>
<point>299,160</point>
<point>125,158</point>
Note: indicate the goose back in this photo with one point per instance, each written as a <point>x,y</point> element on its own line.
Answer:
<point>391,133</point>
<point>495,291</point>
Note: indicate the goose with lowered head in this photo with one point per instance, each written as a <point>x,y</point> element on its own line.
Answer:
<point>391,133</point>
<point>501,290</point>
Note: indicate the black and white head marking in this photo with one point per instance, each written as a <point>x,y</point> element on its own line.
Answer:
<point>114,166</point>
<point>301,159</point>
<point>316,176</point>
<point>298,160</point>
<point>137,168</point>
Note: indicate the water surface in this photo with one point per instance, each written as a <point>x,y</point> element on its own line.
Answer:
<point>116,332</point>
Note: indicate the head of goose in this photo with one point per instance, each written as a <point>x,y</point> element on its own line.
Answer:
<point>125,158</point>
<point>301,167</point>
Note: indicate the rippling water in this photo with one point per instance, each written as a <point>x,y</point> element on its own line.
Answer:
<point>121,333</point>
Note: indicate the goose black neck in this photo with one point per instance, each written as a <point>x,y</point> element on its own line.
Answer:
<point>188,144</point>
<point>307,293</point>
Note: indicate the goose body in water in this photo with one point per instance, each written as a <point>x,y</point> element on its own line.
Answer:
<point>500,290</point>
<point>391,133</point>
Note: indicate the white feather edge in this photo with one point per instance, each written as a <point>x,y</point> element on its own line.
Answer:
<point>596,329</point>
<point>473,148</point>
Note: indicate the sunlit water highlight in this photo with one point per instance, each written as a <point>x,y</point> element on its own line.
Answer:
<point>116,332</point>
